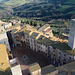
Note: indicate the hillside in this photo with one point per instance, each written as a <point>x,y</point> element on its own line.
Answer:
<point>7,5</point>
<point>70,2</point>
<point>20,2</point>
<point>15,2</point>
<point>4,0</point>
<point>39,9</point>
<point>45,11</point>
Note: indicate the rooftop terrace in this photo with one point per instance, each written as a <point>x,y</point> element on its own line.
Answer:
<point>68,67</point>
<point>48,69</point>
<point>57,44</point>
<point>14,62</point>
<point>34,35</point>
<point>27,31</point>
<point>33,67</point>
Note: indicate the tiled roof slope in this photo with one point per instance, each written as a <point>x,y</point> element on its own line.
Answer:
<point>43,27</point>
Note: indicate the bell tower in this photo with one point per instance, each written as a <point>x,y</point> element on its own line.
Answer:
<point>71,40</point>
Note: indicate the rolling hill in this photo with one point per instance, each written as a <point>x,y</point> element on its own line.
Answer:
<point>20,2</point>
<point>4,0</point>
<point>69,2</point>
<point>39,9</point>
<point>45,11</point>
<point>15,2</point>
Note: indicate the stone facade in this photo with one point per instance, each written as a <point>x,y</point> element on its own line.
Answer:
<point>42,49</point>
<point>47,50</point>
<point>27,40</point>
<point>34,69</point>
<point>60,56</point>
<point>47,46</point>
<point>4,38</point>
<point>15,67</point>
<point>71,41</point>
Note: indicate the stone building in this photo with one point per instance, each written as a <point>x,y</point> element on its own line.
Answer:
<point>6,24</point>
<point>67,69</point>
<point>8,67</point>
<point>42,45</point>
<point>4,61</point>
<point>46,30</point>
<point>15,67</point>
<point>71,41</point>
<point>48,46</point>
<point>27,38</point>
<point>34,69</point>
<point>4,38</point>
<point>49,70</point>
<point>33,37</point>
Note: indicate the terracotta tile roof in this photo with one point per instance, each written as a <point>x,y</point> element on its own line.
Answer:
<point>48,30</point>
<point>43,27</point>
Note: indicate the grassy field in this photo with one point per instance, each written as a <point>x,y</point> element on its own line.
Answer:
<point>68,9</point>
<point>15,2</point>
<point>70,2</point>
<point>64,7</point>
<point>40,10</point>
<point>67,23</point>
<point>44,11</point>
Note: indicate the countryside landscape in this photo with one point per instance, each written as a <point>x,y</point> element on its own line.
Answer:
<point>40,12</point>
<point>44,10</point>
<point>37,37</point>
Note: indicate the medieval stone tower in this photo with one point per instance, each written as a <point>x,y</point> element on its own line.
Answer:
<point>71,41</point>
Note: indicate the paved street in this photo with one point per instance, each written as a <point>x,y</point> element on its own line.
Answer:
<point>33,56</point>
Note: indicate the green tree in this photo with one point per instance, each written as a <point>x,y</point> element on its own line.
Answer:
<point>40,24</point>
<point>31,23</point>
<point>27,22</point>
<point>35,23</point>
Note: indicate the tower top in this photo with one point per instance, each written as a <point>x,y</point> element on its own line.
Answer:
<point>73,19</point>
<point>71,41</point>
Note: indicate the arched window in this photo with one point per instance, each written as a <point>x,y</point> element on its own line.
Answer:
<point>4,42</point>
<point>39,50</point>
<point>59,52</point>
<point>54,55</point>
<point>64,60</point>
<point>54,48</point>
<point>2,63</point>
<point>64,54</point>
<point>69,57</point>
<point>53,51</point>
<point>46,50</point>
<point>46,54</point>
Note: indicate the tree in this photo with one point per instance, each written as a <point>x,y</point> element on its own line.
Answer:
<point>31,23</point>
<point>40,24</point>
<point>27,22</point>
<point>35,23</point>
